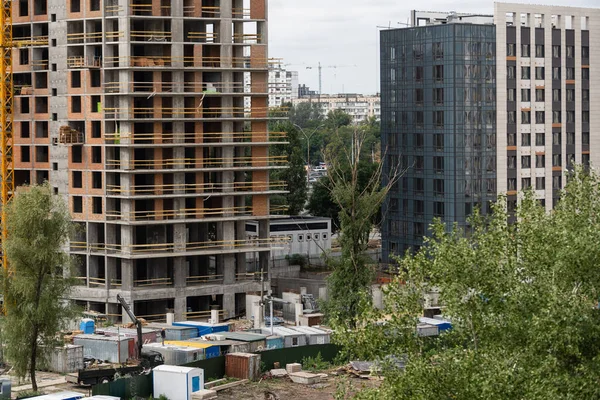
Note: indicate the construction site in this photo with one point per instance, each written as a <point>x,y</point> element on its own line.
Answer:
<point>151,118</point>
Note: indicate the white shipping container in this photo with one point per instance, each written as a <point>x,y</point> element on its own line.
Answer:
<point>177,383</point>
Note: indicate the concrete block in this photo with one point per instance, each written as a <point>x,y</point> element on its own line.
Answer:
<point>204,394</point>
<point>295,367</point>
<point>305,378</point>
<point>278,373</point>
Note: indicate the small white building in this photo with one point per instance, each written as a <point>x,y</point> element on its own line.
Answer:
<point>177,383</point>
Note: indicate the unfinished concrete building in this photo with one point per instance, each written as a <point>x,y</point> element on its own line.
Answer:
<point>134,111</point>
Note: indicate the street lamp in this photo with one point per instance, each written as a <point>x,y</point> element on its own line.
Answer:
<point>308,146</point>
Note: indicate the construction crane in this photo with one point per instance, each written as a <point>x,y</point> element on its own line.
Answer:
<point>320,68</point>
<point>137,322</point>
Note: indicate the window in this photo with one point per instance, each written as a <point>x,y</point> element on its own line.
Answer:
<point>77,204</point>
<point>438,96</point>
<point>419,163</point>
<point>511,50</point>
<point>418,185</point>
<point>540,161</point>
<point>52,17</point>
<point>438,141</point>
<point>525,73</point>
<point>540,183</point>
<point>324,236</point>
<point>512,162</point>
<point>570,137</point>
<point>95,105</point>
<point>418,207</point>
<point>417,51</point>
<point>556,117</point>
<point>25,129</point>
<point>23,56</point>
<point>24,105</point>
<point>511,139</point>
<point>438,164</point>
<point>556,160</point>
<point>54,42</point>
<point>540,95</point>
<point>97,180</point>
<point>526,162</point>
<point>570,94</point>
<point>301,238</point>
<point>526,139</point>
<point>438,50</point>
<point>540,117</point>
<point>556,139</point>
<point>25,154</point>
<point>540,138</point>
<point>570,73</point>
<point>438,73</point>
<point>525,183</point>
<point>525,95</point>
<point>585,138</point>
<point>570,161</point>
<point>96,154</point>
<point>75,79</point>
<point>76,154</point>
<point>585,160</point>
<point>585,117</point>
<point>438,118</point>
<point>54,166</point>
<point>512,184</point>
<point>539,73</point>
<point>585,95</point>
<point>54,67</point>
<point>308,237</point>
<point>418,74</point>
<point>75,6</point>
<point>556,73</point>
<point>75,104</point>
<point>418,229</point>
<point>511,94</point>
<point>525,50</point>
<point>419,141</point>
<point>525,117</point>
<point>54,92</point>
<point>76,179</point>
<point>570,51</point>
<point>556,95</point>
<point>438,209</point>
<point>556,182</point>
<point>419,96</point>
<point>570,117</point>
<point>512,117</point>
<point>97,129</point>
<point>585,52</point>
<point>556,51</point>
<point>539,50</point>
<point>511,72</point>
<point>585,73</point>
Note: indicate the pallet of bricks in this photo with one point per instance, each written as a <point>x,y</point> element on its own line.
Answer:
<point>68,135</point>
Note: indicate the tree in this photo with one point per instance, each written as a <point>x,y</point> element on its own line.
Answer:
<point>295,175</point>
<point>321,204</point>
<point>522,297</point>
<point>306,115</point>
<point>359,196</point>
<point>38,282</point>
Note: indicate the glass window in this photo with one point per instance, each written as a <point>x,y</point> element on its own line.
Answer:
<point>556,117</point>
<point>511,94</point>
<point>512,162</point>
<point>556,73</point>
<point>539,73</point>
<point>525,117</point>
<point>418,74</point>
<point>526,139</point>
<point>540,95</point>
<point>570,73</point>
<point>540,183</point>
<point>585,52</point>
<point>438,73</point>
<point>526,162</point>
<point>525,94</point>
<point>540,139</point>
<point>419,96</point>
<point>556,182</point>
<point>511,49</point>
<point>418,207</point>
<point>556,51</point>
<point>585,116</point>
<point>438,50</point>
<point>585,138</point>
<point>570,117</point>
<point>540,117</point>
<point>570,51</point>
<point>438,141</point>
<point>438,186</point>
<point>438,209</point>
<point>525,73</point>
<point>438,164</point>
<point>525,183</point>
<point>511,72</point>
<point>556,160</point>
<point>512,184</point>
<point>525,50</point>
<point>438,96</point>
<point>585,95</point>
<point>512,117</point>
<point>539,50</point>
<point>556,95</point>
<point>438,118</point>
<point>540,161</point>
<point>556,139</point>
<point>570,137</point>
<point>585,73</point>
<point>570,94</point>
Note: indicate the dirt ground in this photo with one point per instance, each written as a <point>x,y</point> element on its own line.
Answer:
<point>285,389</point>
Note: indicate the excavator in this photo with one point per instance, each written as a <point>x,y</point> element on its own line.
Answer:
<point>146,359</point>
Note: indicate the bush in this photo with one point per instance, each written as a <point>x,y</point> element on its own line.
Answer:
<point>297,259</point>
<point>314,364</point>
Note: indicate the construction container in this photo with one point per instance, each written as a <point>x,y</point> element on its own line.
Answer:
<point>441,324</point>
<point>210,350</point>
<point>274,342</point>
<point>243,366</point>
<point>313,335</point>
<point>226,346</point>
<point>5,388</point>
<point>66,359</point>
<point>205,328</point>
<point>60,396</point>
<point>176,332</point>
<point>177,383</point>
<point>291,338</point>
<point>87,326</point>
<point>427,330</point>
<point>256,342</point>
<point>106,348</point>
<point>311,319</point>
<point>177,355</point>
<point>149,335</point>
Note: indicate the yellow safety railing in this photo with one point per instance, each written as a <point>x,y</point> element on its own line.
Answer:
<point>188,61</point>
<point>201,137</point>
<point>187,213</point>
<point>97,281</point>
<point>150,36</point>
<point>40,64</point>
<point>194,315</point>
<point>247,38</point>
<point>212,12</point>
<point>171,247</point>
<point>85,37</point>
<point>201,187</point>
<point>172,87</point>
<point>147,9</point>
<point>116,282</point>
<point>113,9</point>
<point>153,282</point>
<point>200,162</point>
<point>241,12</point>
<point>83,62</point>
<point>154,317</point>
<point>30,41</point>
<point>194,112</point>
<point>80,280</point>
<point>204,37</point>
<point>192,280</point>
<point>247,276</point>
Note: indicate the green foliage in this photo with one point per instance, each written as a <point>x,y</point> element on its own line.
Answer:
<point>315,364</point>
<point>320,203</point>
<point>295,175</point>
<point>297,259</point>
<point>523,300</point>
<point>26,394</point>
<point>39,225</point>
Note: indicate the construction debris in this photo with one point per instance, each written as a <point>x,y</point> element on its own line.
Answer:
<point>278,373</point>
<point>295,367</point>
<point>204,394</point>
<point>230,385</point>
<point>305,378</point>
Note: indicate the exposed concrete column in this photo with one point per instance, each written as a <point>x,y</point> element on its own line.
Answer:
<point>179,237</point>
<point>127,275</point>
<point>179,272</point>
<point>180,308</point>
<point>229,304</point>
<point>263,256</point>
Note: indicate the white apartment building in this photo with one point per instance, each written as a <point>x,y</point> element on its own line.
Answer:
<point>358,106</point>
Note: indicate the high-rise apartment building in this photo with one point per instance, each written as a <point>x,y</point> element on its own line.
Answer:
<point>134,111</point>
<point>474,106</point>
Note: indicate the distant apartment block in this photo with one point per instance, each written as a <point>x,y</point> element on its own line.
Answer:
<point>358,106</point>
<point>475,106</point>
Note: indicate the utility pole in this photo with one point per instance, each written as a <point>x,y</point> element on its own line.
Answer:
<point>307,146</point>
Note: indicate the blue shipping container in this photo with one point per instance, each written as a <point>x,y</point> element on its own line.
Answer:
<point>442,325</point>
<point>204,328</point>
<point>87,325</point>
<point>274,342</point>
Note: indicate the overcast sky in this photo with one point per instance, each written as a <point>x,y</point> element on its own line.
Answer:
<point>344,33</point>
